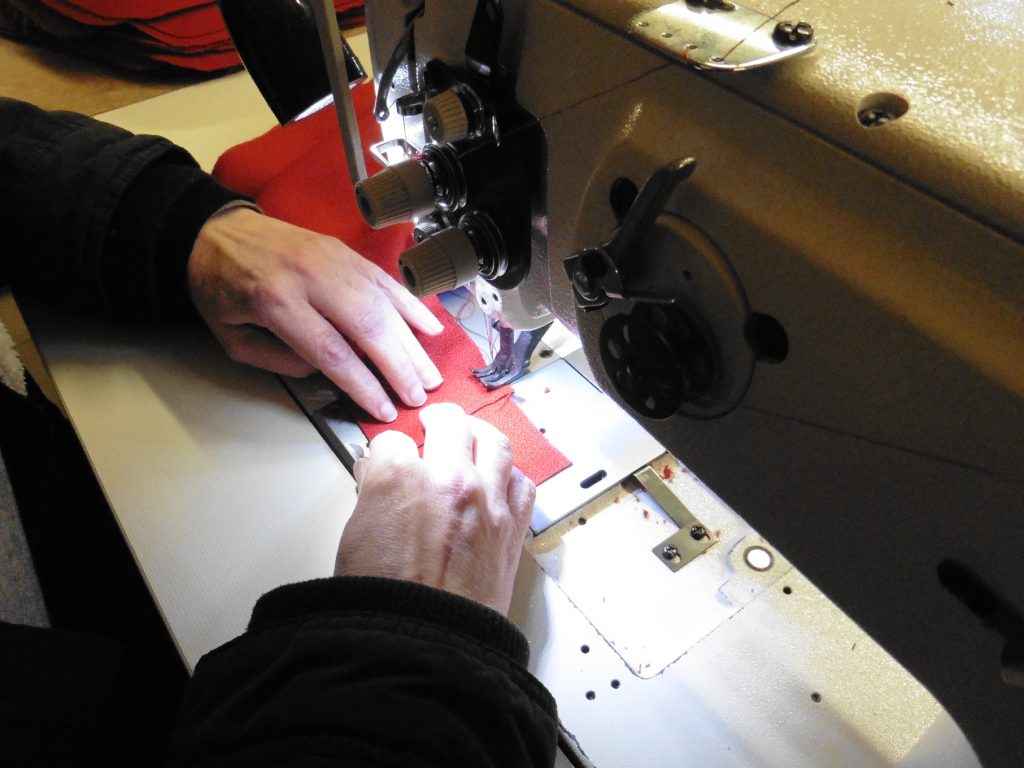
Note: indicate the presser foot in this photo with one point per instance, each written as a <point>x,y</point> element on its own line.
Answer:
<point>513,357</point>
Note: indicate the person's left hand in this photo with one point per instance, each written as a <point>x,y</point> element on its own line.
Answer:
<point>293,301</point>
<point>454,520</point>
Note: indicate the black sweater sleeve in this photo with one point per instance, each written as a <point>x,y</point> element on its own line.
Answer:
<point>360,672</point>
<point>95,218</point>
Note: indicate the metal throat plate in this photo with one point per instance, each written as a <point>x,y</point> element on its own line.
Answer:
<point>719,35</point>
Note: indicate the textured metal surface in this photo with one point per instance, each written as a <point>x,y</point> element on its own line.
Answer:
<point>957,63</point>
<point>893,402</point>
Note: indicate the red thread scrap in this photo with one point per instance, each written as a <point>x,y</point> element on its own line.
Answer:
<point>297,173</point>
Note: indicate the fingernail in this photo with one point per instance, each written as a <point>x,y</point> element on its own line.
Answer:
<point>416,396</point>
<point>386,412</point>
<point>434,379</point>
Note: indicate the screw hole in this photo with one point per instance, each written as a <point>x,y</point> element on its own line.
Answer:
<point>879,109</point>
<point>582,521</point>
<point>616,683</point>
<point>768,338</point>
<point>816,697</point>
<point>621,196</point>
<point>584,648</point>
<point>787,590</point>
<point>546,353</point>
<point>591,695</point>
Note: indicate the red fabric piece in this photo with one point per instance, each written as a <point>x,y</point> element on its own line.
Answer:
<point>297,173</point>
<point>127,10</point>
<point>207,61</point>
<point>454,355</point>
<point>146,35</point>
<point>106,11</point>
<point>194,27</point>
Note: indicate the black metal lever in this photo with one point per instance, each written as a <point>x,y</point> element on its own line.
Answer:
<point>599,273</point>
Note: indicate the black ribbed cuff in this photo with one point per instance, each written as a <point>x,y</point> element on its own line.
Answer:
<point>392,596</point>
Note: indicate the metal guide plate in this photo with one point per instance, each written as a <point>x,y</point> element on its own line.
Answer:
<point>720,36</point>
<point>329,410</point>
<point>691,539</point>
<point>602,559</point>
<point>603,443</point>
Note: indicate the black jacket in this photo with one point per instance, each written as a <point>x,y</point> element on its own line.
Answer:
<point>96,219</point>
<point>340,671</point>
<point>368,672</point>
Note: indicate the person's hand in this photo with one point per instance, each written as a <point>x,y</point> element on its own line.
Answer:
<point>455,519</point>
<point>286,299</point>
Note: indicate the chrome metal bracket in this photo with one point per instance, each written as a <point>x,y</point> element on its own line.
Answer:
<point>721,35</point>
<point>392,151</point>
<point>691,539</point>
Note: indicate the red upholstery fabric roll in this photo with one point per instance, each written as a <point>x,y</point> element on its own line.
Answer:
<point>297,173</point>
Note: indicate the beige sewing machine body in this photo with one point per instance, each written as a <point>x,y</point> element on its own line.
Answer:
<point>793,253</point>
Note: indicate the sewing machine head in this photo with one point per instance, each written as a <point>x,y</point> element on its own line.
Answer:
<point>792,249</point>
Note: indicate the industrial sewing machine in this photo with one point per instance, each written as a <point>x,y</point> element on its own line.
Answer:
<point>789,237</point>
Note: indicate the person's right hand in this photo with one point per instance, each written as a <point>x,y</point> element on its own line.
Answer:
<point>293,301</point>
<point>455,519</point>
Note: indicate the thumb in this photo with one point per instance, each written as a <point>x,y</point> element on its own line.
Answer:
<point>359,470</point>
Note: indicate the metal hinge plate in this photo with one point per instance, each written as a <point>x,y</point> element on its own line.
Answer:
<point>721,35</point>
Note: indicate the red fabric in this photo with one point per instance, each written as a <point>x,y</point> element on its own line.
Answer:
<point>196,26</point>
<point>143,10</point>
<point>127,10</point>
<point>207,61</point>
<point>160,34</point>
<point>297,173</point>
